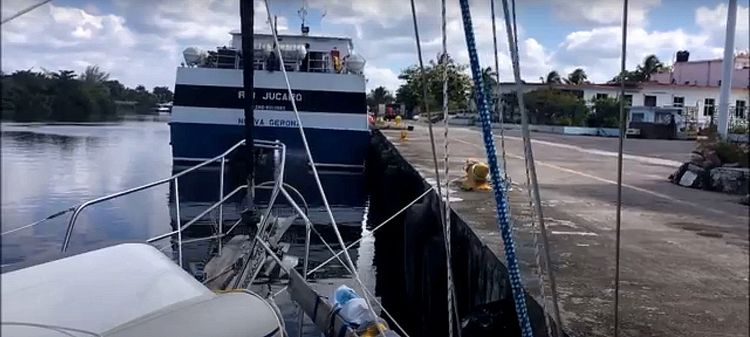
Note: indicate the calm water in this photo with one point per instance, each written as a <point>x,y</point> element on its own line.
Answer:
<point>48,168</point>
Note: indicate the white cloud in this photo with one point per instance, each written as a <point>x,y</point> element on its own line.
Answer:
<point>377,76</point>
<point>598,50</point>
<point>713,22</point>
<point>142,44</point>
<point>602,12</point>
<point>140,41</point>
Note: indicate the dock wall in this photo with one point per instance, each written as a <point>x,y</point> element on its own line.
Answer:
<point>412,273</point>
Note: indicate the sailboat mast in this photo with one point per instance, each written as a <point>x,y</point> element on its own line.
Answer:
<point>247,14</point>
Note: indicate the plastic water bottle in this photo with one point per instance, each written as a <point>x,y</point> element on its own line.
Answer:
<point>354,309</point>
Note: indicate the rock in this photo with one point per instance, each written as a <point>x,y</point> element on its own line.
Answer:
<point>690,175</point>
<point>733,180</point>
<point>697,158</point>
<point>711,159</point>
<point>677,175</point>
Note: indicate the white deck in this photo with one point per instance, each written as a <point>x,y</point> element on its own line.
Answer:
<point>95,291</point>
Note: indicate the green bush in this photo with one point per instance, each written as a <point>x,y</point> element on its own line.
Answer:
<point>555,107</point>
<point>739,129</point>
<point>64,96</point>
<point>728,152</point>
<point>606,113</point>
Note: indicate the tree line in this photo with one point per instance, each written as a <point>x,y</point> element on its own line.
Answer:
<point>66,96</point>
<point>551,105</point>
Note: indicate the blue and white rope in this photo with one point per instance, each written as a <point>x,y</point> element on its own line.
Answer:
<point>499,189</point>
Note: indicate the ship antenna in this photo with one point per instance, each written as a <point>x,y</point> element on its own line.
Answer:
<point>302,12</point>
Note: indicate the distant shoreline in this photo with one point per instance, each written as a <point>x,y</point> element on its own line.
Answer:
<point>128,118</point>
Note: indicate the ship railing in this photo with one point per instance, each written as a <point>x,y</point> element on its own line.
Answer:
<point>174,179</point>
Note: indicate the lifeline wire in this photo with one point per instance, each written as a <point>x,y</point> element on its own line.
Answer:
<point>499,189</point>
<point>623,121</point>
<point>312,162</point>
<point>39,221</point>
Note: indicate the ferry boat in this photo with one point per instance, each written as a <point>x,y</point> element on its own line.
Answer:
<point>328,88</point>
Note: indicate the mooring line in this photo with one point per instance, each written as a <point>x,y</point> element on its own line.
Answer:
<point>498,187</point>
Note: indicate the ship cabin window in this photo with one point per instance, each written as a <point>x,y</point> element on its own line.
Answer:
<point>318,62</point>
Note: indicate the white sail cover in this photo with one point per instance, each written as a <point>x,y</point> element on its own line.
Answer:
<point>119,290</point>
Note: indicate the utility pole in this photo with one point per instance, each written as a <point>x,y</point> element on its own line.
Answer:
<point>727,69</point>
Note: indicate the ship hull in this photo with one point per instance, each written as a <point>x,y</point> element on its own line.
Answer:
<point>208,114</point>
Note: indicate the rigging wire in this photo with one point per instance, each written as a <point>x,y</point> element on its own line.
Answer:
<point>453,319</point>
<point>500,192</point>
<point>498,107</point>
<point>23,11</point>
<point>312,163</point>
<point>534,236</point>
<point>529,159</point>
<point>621,138</point>
<point>322,264</point>
<point>310,227</point>
<point>423,77</point>
<point>444,213</point>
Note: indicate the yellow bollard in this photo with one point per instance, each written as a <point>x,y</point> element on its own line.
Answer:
<point>398,121</point>
<point>403,135</point>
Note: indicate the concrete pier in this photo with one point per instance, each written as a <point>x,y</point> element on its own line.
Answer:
<point>684,252</point>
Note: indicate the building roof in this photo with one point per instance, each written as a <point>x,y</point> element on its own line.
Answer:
<point>615,86</point>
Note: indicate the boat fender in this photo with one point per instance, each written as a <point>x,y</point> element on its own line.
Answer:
<point>477,174</point>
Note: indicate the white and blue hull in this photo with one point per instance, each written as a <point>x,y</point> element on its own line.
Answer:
<point>208,115</point>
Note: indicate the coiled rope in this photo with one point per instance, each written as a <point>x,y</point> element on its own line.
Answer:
<point>499,189</point>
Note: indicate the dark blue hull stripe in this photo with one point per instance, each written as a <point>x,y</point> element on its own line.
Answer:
<point>270,99</point>
<point>347,147</point>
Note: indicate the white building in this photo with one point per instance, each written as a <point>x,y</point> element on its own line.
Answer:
<point>689,84</point>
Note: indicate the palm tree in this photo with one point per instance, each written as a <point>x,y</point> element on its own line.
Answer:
<point>651,65</point>
<point>379,95</point>
<point>553,78</point>
<point>578,76</point>
<point>64,75</point>
<point>93,74</point>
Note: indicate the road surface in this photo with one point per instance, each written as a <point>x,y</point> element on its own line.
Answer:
<point>684,256</point>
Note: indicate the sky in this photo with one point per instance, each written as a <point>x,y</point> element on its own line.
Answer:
<point>141,41</point>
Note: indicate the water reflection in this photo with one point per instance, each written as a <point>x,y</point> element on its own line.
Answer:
<point>48,168</point>
<point>345,192</point>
